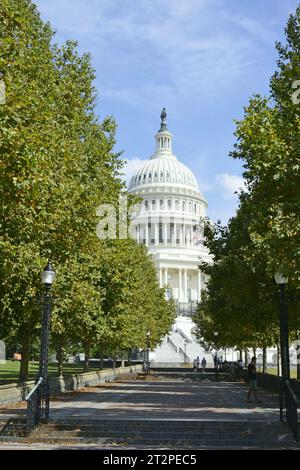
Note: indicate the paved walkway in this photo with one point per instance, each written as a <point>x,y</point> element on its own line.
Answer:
<point>173,399</point>
<point>159,399</point>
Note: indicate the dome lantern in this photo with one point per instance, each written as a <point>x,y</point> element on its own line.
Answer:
<point>163,138</point>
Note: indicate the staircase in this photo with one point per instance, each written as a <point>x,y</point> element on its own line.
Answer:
<point>176,434</point>
<point>180,347</point>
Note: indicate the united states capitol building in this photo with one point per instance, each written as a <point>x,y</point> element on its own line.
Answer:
<point>170,223</point>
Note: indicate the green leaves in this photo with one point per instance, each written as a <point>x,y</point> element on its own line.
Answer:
<point>264,235</point>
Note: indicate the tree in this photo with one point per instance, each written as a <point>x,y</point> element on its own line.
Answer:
<point>56,162</point>
<point>264,235</point>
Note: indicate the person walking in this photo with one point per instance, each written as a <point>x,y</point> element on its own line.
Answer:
<point>195,365</point>
<point>198,363</point>
<point>203,364</point>
<point>252,381</point>
<point>216,361</point>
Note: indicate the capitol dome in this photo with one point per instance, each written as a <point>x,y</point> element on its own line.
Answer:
<point>165,170</point>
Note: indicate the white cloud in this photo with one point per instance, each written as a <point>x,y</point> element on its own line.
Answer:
<point>131,166</point>
<point>230,184</point>
<point>168,43</point>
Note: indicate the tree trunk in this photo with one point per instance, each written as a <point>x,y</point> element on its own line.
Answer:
<point>254,352</point>
<point>114,362</point>
<point>25,356</point>
<point>246,358</point>
<point>241,354</point>
<point>278,361</point>
<point>101,364</point>
<point>264,369</point>
<point>129,357</point>
<point>123,362</point>
<point>86,360</point>
<point>60,354</point>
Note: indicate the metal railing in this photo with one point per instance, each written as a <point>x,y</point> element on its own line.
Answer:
<point>183,335</point>
<point>289,403</point>
<point>170,342</point>
<point>37,405</point>
<point>185,356</point>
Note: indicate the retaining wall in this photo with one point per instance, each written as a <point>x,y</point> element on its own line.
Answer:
<point>13,393</point>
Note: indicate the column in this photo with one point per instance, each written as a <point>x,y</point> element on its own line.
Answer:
<point>199,285</point>
<point>190,238</point>
<point>156,233</point>
<point>180,284</point>
<point>181,235</point>
<point>166,276</point>
<point>184,234</point>
<point>165,235</point>
<point>185,283</point>
<point>146,234</point>
<point>161,277</point>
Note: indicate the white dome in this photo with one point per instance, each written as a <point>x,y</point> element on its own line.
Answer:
<point>164,169</point>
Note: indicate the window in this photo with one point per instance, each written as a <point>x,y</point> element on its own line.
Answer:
<point>169,203</point>
<point>161,203</point>
<point>169,276</point>
<point>146,205</point>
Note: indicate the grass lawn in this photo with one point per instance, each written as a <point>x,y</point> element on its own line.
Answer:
<point>273,371</point>
<point>9,372</point>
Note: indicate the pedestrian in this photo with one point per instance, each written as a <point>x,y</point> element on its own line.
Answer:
<point>218,364</point>
<point>198,363</point>
<point>216,361</point>
<point>252,381</point>
<point>195,365</point>
<point>203,364</point>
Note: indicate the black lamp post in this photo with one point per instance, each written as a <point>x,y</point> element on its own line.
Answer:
<point>148,350</point>
<point>48,277</point>
<point>282,281</point>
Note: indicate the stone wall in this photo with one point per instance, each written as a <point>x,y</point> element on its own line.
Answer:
<point>13,393</point>
<point>269,381</point>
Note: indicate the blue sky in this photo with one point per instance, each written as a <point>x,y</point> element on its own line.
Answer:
<point>201,59</point>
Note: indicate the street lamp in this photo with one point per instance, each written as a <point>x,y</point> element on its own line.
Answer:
<point>48,277</point>
<point>282,281</point>
<point>148,350</point>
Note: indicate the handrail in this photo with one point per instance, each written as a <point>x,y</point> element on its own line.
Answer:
<point>186,357</point>
<point>296,400</point>
<point>182,333</point>
<point>37,404</point>
<point>289,403</point>
<point>172,344</point>
<point>34,389</point>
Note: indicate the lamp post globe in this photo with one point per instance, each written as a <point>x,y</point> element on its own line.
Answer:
<point>48,275</point>
<point>280,278</point>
